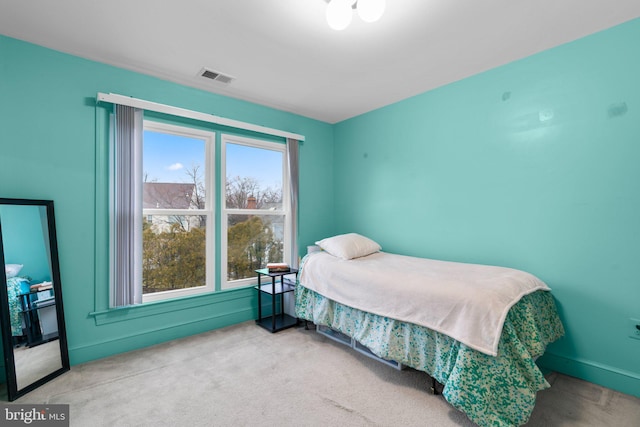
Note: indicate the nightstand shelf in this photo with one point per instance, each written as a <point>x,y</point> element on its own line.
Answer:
<point>282,321</point>
<point>279,286</point>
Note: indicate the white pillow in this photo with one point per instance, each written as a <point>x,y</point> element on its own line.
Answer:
<point>349,246</point>
<point>12,270</point>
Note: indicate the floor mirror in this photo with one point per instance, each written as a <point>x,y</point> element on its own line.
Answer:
<point>34,341</point>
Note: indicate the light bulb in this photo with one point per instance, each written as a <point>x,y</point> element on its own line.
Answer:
<point>339,14</point>
<point>370,10</point>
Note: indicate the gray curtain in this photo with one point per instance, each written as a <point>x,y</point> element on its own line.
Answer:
<point>294,170</point>
<point>126,217</point>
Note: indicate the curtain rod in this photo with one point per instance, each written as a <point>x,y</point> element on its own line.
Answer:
<point>183,112</point>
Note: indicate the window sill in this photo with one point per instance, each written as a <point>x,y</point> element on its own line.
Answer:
<point>123,314</point>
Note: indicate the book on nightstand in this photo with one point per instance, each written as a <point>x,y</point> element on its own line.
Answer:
<point>278,267</point>
<point>41,287</point>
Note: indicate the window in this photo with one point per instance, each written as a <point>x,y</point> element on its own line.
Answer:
<point>185,210</point>
<point>178,211</point>
<point>169,244</point>
<point>256,219</point>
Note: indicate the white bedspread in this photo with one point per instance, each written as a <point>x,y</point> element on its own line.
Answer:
<point>468,302</point>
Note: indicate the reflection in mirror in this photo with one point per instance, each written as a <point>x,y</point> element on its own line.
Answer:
<point>33,334</point>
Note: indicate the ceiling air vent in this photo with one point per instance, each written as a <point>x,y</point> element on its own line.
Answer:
<point>216,76</point>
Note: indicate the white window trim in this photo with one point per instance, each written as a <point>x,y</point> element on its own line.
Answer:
<point>286,204</point>
<point>209,211</point>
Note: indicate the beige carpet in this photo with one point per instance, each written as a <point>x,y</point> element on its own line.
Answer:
<point>246,376</point>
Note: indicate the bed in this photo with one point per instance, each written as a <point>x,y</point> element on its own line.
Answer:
<point>16,286</point>
<point>486,367</point>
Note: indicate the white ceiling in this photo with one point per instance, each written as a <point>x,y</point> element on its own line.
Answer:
<point>283,54</point>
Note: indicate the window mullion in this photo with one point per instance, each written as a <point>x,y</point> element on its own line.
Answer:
<point>176,212</point>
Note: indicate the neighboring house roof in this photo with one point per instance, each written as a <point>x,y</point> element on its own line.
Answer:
<point>165,195</point>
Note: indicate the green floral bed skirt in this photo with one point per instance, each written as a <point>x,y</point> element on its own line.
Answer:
<point>492,391</point>
<point>14,288</point>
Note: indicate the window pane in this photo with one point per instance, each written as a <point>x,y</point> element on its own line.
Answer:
<point>174,252</point>
<point>253,241</point>
<point>173,171</point>
<point>254,177</point>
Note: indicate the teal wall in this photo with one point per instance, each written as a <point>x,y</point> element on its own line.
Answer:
<point>532,165</point>
<point>23,240</point>
<point>48,150</point>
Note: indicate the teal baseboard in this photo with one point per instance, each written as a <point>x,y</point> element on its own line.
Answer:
<point>143,339</point>
<point>607,376</point>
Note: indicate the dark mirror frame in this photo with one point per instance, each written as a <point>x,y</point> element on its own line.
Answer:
<point>7,342</point>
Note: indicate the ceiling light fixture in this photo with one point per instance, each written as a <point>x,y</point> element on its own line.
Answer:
<point>340,12</point>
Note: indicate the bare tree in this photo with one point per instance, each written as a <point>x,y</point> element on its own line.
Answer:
<point>196,178</point>
<point>239,189</point>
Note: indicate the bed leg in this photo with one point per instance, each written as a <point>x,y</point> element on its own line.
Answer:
<point>434,390</point>
<point>306,326</point>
